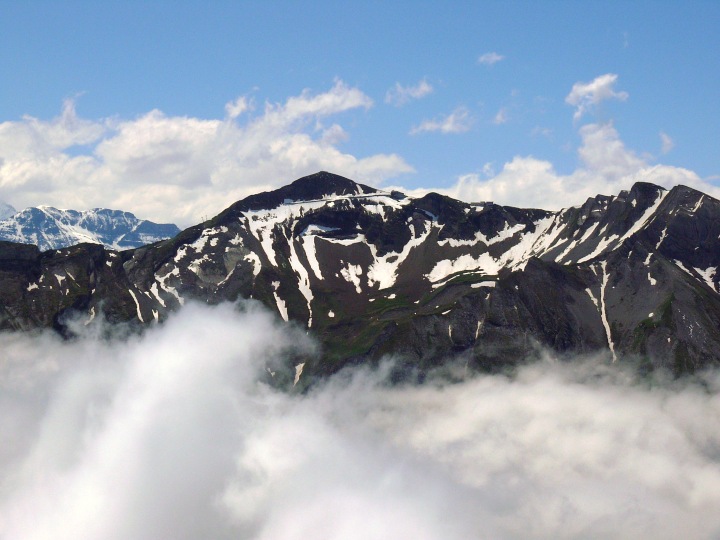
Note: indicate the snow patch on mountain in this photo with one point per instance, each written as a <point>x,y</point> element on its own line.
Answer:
<point>484,264</point>
<point>279,302</point>
<point>384,270</point>
<point>603,309</point>
<point>708,274</point>
<point>352,275</point>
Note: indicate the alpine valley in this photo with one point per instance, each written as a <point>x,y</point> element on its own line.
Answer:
<point>371,273</point>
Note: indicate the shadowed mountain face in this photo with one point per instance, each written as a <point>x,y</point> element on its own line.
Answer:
<point>51,228</point>
<point>373,273</point>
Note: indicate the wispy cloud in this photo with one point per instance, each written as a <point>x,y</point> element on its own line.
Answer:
<point>541,131</point>
<point>584,96</point>
<point>458,121</point>
<point>242,104</point>
<point>666,142</point>
<point>490,58</point>
<point>501,117</point>
<point>399,95</point>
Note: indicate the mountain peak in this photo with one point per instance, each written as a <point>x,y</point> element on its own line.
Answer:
<point>322,184</point>
<point>646,190</point>
<point>308,188</point>
<point>6,210</point>
<point>688,193</point>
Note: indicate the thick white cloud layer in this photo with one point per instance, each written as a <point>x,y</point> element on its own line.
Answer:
<point>178,169</point>
<point>173,435</point>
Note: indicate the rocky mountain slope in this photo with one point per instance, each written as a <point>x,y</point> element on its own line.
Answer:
<point>51,228</point>
<point>373,273</point>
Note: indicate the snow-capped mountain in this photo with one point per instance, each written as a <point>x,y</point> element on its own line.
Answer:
<point>372,273</point>
<point>51,228</point>
<point>6,210</point>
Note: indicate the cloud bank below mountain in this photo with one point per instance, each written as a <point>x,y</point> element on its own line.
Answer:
<point>174,435</point>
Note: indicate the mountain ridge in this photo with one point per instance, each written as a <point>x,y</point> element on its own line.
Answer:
<point>6,210</point>
<point>371,272</point>
<point>53,228</point>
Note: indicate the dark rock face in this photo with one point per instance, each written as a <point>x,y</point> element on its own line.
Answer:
<point>373,273</point>
<point>50,228</point>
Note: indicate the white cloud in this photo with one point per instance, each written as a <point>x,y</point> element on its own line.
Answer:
<point>607,166</point>
<point>242,104</point>
<point>584,96</point>
<point>501,117</point>
<point>459,121</point>
<point>603,151</point>
<point>339,98</point>
<point>333,135</point>
<point>399,95</point>
<point>488,169</point>
<point>176,434</point>
<point>539,131</point>
<point>667,142</point>
<point>176,169</point>
<point>490,58</point>
<point>33,139</point>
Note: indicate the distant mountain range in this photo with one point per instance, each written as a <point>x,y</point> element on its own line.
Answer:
<point>369,273</point>
<point>50,228</point>
<point>6,210</point>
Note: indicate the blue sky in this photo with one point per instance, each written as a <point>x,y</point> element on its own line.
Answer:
<point>81,81</point>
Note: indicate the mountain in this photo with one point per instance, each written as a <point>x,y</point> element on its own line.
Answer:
<point>372,273</point>
<point>50,228</point>
<point>6,210</point>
